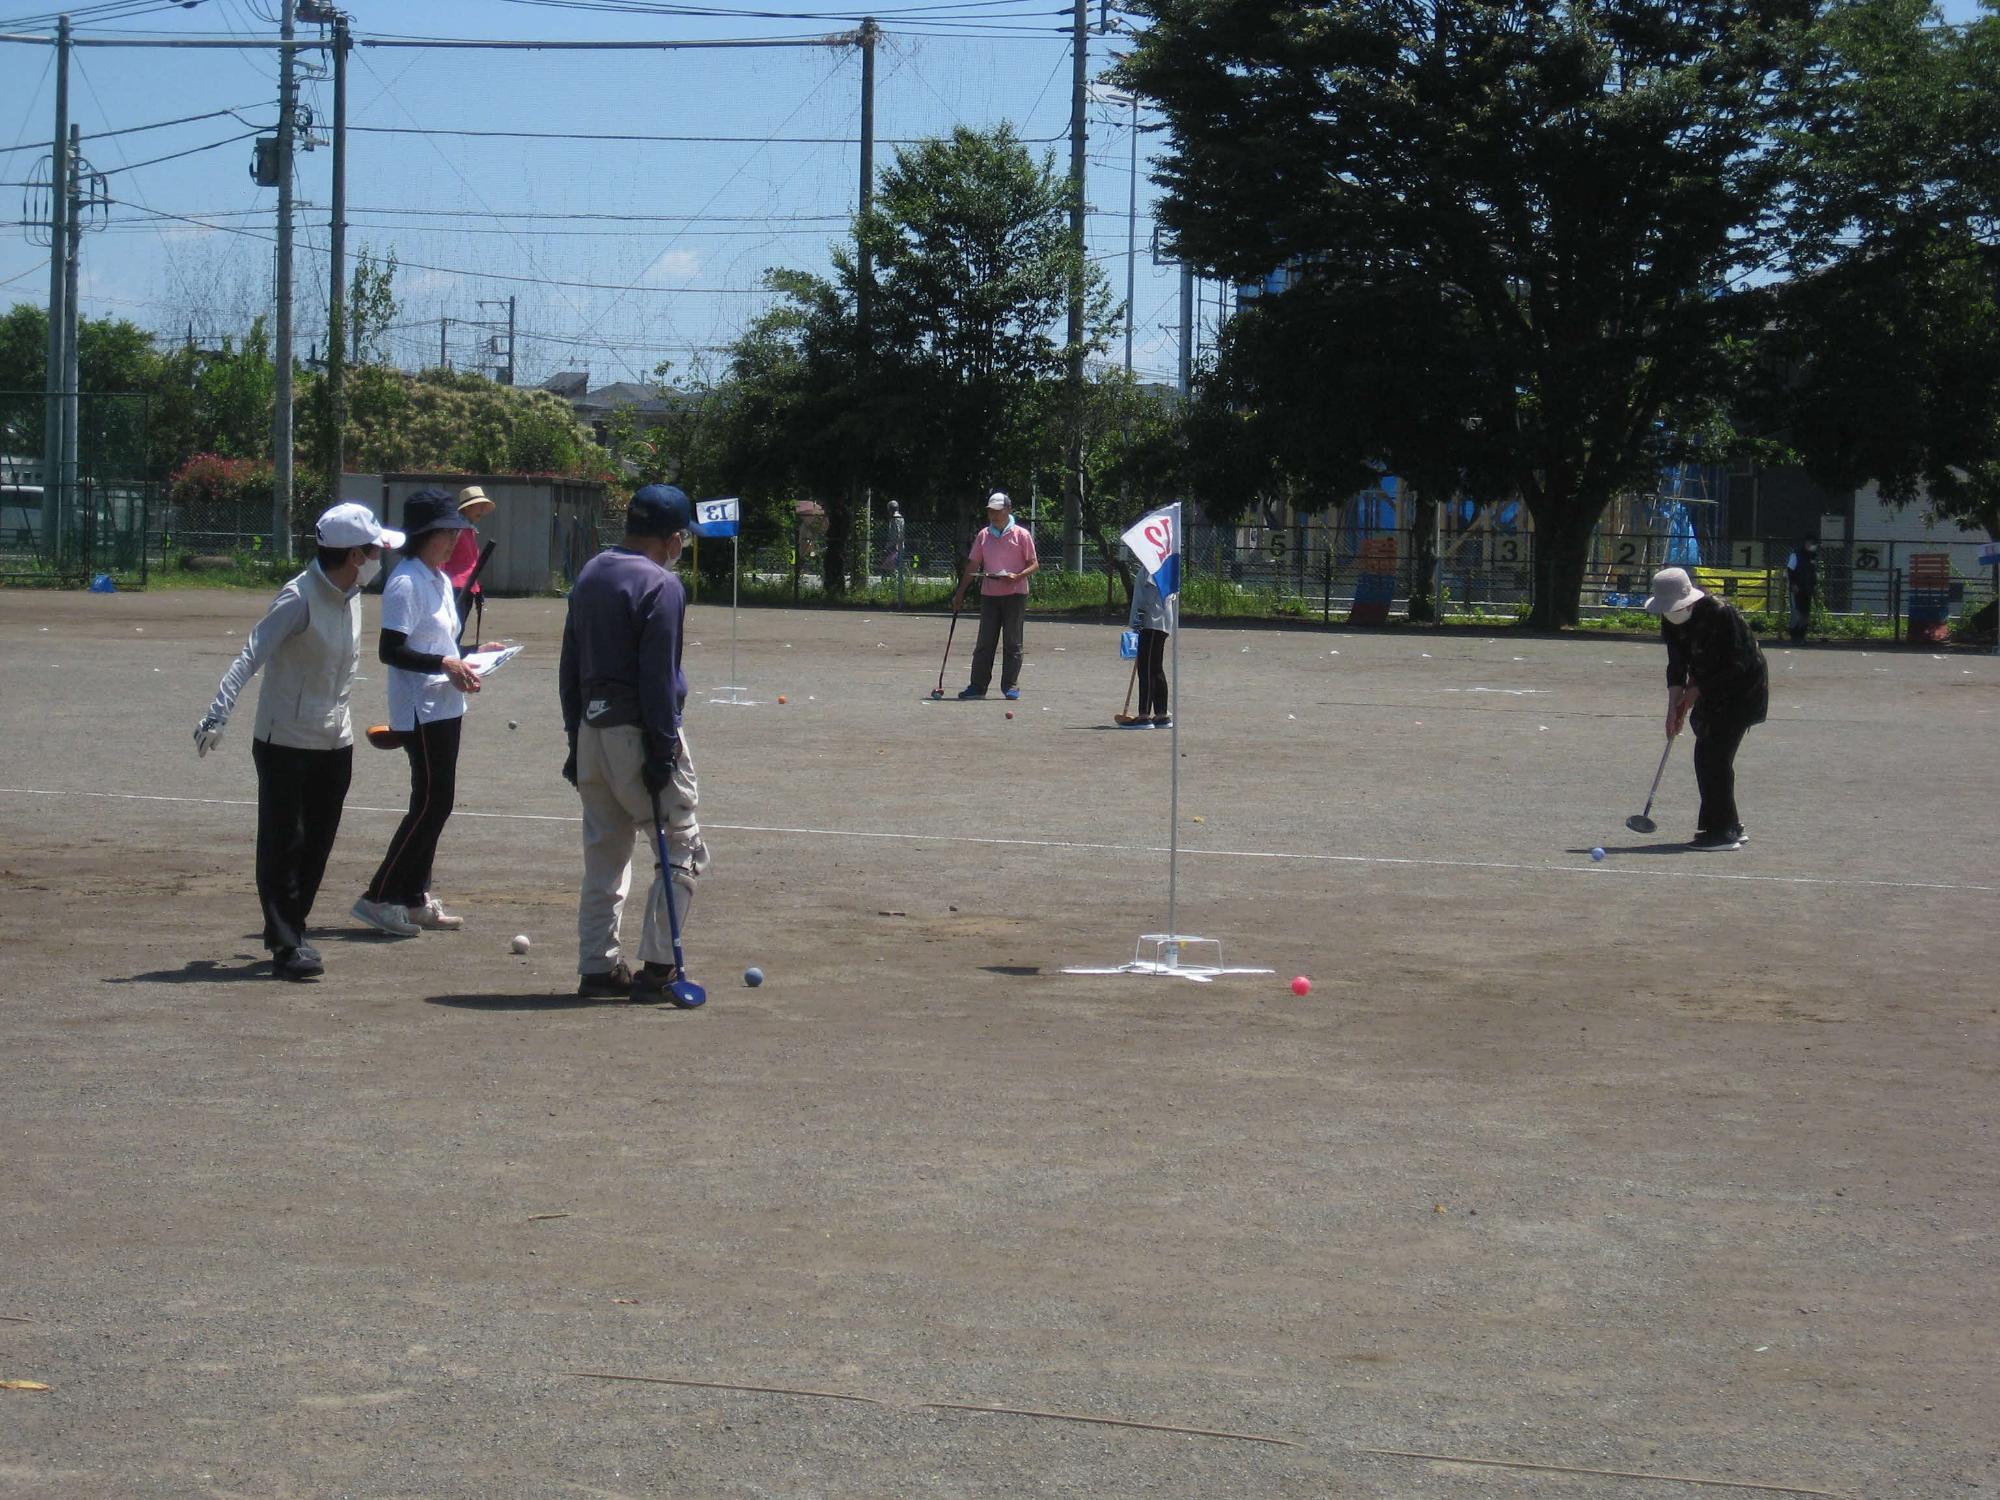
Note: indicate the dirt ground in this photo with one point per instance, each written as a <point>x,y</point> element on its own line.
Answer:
<point>1676,1164</point>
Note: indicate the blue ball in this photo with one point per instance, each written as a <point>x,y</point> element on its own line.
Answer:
<point>1597,853</point>
<point>753,976</point>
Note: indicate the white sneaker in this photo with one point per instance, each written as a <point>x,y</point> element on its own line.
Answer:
<point>386,916</point>
<point>433,916</point>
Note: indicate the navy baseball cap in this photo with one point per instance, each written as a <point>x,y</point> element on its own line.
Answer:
<point>659,510</point>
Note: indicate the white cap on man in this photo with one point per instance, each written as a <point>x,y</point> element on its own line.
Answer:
<point>998,501</point>
<point>352,524</point>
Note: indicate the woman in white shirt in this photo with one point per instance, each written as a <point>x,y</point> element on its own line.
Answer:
<point>427,686</point>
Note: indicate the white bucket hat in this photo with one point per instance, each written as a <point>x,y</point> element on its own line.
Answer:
<point>1674,595</point>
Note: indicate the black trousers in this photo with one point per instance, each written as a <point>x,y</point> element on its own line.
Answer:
<point>405,873</point>
<point>1715,745</point>
<point>1000,616</point>
<point>1152,674</point>
<point>299,797</point>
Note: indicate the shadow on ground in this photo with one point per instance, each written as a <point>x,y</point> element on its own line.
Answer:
<point>536,1002</point>
<point>201,971</point>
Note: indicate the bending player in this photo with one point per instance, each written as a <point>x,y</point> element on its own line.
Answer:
<point>308,645</point>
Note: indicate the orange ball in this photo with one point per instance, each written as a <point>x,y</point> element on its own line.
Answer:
<point>781,697</point>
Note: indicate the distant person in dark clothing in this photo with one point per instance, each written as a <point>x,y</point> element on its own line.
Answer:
<point>1716,679</point>
<point>1802,578</point>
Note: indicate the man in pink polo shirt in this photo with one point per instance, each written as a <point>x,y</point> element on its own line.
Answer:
<point>1004,553</point>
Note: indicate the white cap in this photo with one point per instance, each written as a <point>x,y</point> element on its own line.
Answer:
<point>352,524</point>
<point>1674,595</point>
<point>998,501</point>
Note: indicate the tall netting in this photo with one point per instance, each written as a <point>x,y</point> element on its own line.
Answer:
<point>86,517</point>
<point>630,202</point>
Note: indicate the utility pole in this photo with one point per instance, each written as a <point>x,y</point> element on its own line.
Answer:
<point>864,286</point>
<point>503,374</point>
<point>52,415</point>
<point>864,280</point>
<point>1132,238</point>
<point>336,277</point>
<point>444,358</point>
<point>1187,330</point>
<point>71,365</point>
<point>1073,478</point>
<point>281,409</point>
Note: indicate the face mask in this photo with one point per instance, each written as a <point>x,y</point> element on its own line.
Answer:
<point>370,571</point>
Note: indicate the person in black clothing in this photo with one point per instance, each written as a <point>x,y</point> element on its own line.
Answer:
<point>1716,679</point>
<point>1802,578</point>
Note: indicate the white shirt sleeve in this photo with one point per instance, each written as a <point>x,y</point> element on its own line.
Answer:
<point>399,603</point>
<point>287,617</point>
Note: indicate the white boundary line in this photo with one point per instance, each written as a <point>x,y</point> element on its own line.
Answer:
<point>1513,866</point>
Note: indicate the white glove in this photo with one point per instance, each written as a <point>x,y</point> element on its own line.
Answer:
<point>208,735</point>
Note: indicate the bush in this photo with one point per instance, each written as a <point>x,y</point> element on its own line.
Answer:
<point>211,479</point>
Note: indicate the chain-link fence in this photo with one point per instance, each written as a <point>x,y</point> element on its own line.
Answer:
<point>90,513</point>
<point>1481,567</point>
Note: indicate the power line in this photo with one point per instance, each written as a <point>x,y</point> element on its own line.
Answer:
<point>711,140</point>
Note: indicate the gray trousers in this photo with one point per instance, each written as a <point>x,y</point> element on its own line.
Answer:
<point>1000,616</point>
<point>616,810</point>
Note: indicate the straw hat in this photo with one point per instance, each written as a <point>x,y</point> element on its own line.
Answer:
<point>474,503</point>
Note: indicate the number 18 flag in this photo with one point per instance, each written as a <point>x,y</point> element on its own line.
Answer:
<point>1156,541</point>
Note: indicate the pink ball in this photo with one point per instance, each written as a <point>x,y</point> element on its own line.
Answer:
<point>1302,986</point>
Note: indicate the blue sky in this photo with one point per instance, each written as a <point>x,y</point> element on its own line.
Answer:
<point>479,218</point>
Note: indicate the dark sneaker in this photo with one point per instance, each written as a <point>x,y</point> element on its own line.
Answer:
<point>650,984</point>
<point>1163,721</point>
<point>1715,843</point>
<point>972,693</point>
<point>296,963</point>
<point>1742,834</point>
<point>1012,695</point>
<point>307,950</point>
<point>612,984</point>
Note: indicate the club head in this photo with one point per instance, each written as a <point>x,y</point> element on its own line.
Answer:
<point>382,737</point>
<point>687,994</point>
<point>1640,823</point>
<point>937,692</point>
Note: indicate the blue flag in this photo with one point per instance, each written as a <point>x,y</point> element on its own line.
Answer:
<point>717,518</point>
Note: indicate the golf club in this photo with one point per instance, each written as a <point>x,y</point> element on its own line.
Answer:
<point>1639,822</point>
<point>1124,715</point>
<point>938,691</point>
<point>687,994</point>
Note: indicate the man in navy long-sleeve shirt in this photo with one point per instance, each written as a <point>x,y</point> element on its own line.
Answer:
<point>622,693</point>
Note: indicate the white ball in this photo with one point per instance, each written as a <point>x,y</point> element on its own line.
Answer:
<point>520,942</point>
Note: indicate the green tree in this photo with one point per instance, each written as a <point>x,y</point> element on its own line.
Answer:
<point>371,306</point>
<point>1884,362</point>
<point>974,261</point>
<point>1513,222</point>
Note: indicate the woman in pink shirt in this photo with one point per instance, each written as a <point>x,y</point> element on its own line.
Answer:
<point>1003,558</point>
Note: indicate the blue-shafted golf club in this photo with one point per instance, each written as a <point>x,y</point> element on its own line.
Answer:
<point>687,994</point>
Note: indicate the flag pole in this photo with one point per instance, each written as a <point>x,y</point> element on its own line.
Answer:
<point>735,555</point>
<point>1174,778</point>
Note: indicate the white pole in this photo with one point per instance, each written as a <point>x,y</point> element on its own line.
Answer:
<point>1174,779</point>
<point>735,555</point>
